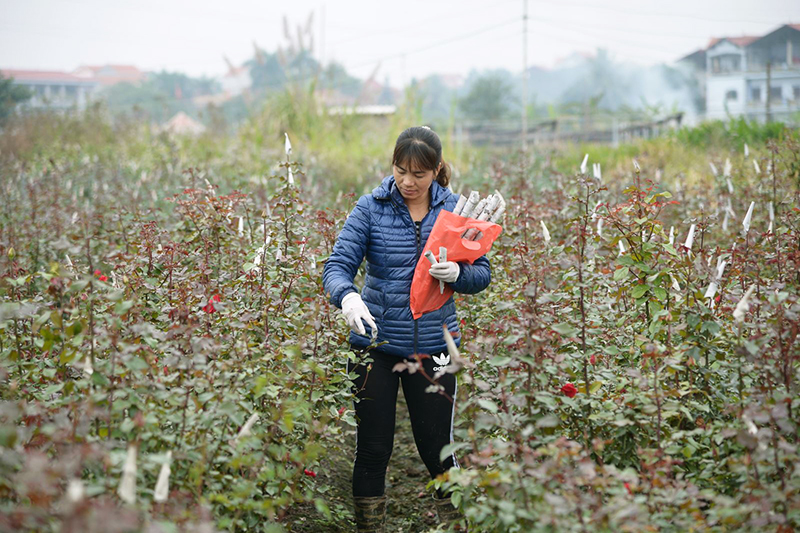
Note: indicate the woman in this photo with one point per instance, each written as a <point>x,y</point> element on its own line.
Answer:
<point>390,227</point>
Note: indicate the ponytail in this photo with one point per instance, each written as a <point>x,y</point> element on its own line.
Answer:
<point>443,177</point>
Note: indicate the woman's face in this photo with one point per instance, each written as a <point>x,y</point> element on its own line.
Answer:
<point>412,181</point>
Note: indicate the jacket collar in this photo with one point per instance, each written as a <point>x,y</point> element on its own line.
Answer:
<point>388,189</point>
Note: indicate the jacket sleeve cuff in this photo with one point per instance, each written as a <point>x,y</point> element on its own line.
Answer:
<point>337,297</point>
<point>473,278</point>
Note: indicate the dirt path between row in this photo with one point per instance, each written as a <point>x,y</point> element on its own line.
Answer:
<point>409,507</point>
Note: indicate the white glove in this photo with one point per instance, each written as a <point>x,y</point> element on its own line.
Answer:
<point>355,310</point>
<point>445,271</point>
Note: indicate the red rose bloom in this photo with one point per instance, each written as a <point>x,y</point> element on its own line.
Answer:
<point>310,472</point>
<point>593,359</point>
<point>103,278</point>
<point>569,389</point>
<point>209,307</point>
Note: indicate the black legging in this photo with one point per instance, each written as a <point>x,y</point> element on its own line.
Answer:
<point>432,416</point>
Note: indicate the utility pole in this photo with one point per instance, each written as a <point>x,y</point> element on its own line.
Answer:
<point>524,76</point>
<point>769,91</point>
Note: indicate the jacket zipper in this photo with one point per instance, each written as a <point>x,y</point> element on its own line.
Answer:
<point>417,230</point>
<point>419,251</point>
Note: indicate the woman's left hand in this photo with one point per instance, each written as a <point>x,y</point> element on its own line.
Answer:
<point>446,271</point>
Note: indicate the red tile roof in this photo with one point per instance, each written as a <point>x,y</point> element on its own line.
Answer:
<point>744,40</point>
<point>41,75</point>
<point>110,74</point>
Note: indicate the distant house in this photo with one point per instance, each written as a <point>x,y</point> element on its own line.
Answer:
<point>733,72</point>
<point>183,124</point>
<point>52,89</point>
<point>107,75</point>
<point>236,81</point>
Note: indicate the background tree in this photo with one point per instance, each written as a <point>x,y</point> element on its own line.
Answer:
<point>489,98</point>
<point>10,96</point>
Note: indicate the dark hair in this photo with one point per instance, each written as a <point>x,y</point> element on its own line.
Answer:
<point>421,146</point>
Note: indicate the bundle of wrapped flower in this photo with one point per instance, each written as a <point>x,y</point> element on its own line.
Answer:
<point>490,208</point>
<point>458,237</point>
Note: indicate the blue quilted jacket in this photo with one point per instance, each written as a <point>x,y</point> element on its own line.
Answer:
<point>380,228</point>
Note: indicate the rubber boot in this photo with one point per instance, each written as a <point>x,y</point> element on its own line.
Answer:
<point>448,515</point>
<point>370,513</point>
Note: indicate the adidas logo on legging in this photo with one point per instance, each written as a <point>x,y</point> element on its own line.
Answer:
<point>442,361</point>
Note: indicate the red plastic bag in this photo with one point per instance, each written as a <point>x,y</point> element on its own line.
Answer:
<point>446,232</point>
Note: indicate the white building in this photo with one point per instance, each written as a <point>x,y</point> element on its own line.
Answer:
<point>734,72</point>
<point>52,89</point>
<point>236,81</point>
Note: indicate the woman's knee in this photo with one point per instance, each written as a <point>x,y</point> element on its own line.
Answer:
<point>374,454</point>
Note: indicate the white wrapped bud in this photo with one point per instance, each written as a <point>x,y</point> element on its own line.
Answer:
<point>429,256</point>
<point>501,202</point>
<point>583,163</point>
<point>748,217</point>
<point>287,146</point>
<point>545,232</point>
<point>88,369</point>
<point>127,483</point>
<point>594,211</point>
<point>245,431</point>
<point>75,490</point>
<point>479,209</point>
<point>462,200</point>
<point>498,214</point>
<point>469,206</point>
<point>162,484</point>
<point>442,259</point>
<point>743,305</point>
<point>711,290</point>
<point>690,238</point>
<point>491,206</point>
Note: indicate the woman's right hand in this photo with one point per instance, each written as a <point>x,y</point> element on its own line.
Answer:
<point>355,310</point>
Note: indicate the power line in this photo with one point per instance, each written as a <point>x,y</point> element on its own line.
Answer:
<point>436,44</point>
<point>433,20</point>
<point>637,43</point>
<point>652,14</point>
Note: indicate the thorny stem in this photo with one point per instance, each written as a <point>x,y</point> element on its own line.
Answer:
<point>581,257</point>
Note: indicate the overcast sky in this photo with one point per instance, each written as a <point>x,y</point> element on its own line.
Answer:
<point>412,38</point>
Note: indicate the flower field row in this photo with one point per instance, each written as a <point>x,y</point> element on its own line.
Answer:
<point>169,361</point>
